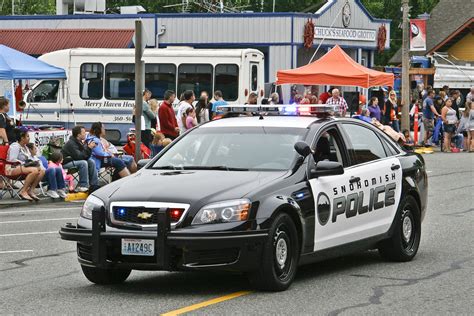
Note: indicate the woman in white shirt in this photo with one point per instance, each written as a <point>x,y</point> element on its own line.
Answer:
<point>19,162</point>
<point>202,111</point>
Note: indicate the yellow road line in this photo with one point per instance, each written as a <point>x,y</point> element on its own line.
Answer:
<point>206,303</point>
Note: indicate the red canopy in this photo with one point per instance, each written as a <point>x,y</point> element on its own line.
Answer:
<point>335,68</point>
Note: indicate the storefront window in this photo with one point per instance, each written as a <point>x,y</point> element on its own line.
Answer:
<point>227,80</point>
<point>195,77</point>
<point>159,78</point>
<point>120,81</point>
<point>92,81</point>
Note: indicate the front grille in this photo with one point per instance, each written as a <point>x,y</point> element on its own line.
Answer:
<point>136,215</point>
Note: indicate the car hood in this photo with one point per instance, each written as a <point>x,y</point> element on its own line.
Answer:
<point>186,186</point>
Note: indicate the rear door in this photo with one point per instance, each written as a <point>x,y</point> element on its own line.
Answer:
<point>362,202</point>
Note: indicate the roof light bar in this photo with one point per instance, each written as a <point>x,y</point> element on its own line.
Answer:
<point>284,110</point>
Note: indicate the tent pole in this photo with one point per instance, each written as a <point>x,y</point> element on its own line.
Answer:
<point>13,100</point>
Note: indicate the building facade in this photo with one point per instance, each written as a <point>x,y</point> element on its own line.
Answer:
<point>280,36</point>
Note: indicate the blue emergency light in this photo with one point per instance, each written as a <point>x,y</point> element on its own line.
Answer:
<point>319,110</point>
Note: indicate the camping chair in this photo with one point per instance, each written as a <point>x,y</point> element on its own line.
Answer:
<point>106,171</point>
<point>7,181</point>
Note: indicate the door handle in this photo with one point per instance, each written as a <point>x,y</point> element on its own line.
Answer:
<point>395,167</point>
<point>354,179</point>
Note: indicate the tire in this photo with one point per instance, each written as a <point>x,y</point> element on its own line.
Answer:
<point>105,276</point>
<point>276,272</point>
<point>403,245</point>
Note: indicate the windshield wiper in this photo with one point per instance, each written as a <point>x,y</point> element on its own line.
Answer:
<point>214,168</point>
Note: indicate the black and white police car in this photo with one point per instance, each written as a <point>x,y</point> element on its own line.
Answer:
<point>260,194</point>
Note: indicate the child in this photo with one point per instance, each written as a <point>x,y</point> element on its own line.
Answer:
<point>157,143</point>
<point>55,161</point>
<point>408,143</point>
<point>190,118</point>
<point>166,142</point>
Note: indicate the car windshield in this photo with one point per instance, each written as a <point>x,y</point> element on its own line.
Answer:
<point>234,149</point>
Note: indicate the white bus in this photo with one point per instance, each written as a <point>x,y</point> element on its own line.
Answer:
<point>100,83</point>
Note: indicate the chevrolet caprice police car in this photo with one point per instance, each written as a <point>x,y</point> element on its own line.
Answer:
<point>261,194</point>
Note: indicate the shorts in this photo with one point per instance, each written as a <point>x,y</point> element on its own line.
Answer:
<point>114,162</point>
<point>128,160</point>
<point>449,128</point>
<point>428,124</point>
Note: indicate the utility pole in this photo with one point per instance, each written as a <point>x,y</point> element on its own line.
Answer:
<point>405,119</point>
<point>139,87</point>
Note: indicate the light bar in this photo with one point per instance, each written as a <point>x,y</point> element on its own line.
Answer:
<point>288,110</point>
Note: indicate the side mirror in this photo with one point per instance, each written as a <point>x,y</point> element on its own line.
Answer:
<point>142,163</point>
<point>303,149</point>
<point>327,168</point>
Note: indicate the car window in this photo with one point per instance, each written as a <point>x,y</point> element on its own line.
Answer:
<point>250,148</point>
<point>328,147</point>
<point>366,146</point>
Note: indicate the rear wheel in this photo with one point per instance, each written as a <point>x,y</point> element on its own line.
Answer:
<point>105,276</point>
<point>404,243</point>
<point>280,256</point>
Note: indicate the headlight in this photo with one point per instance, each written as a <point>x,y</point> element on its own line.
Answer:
<point>91,203</point>
<point>223,212</point>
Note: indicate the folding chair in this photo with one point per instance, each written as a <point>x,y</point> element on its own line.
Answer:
<point>7,181</point>
<point>106,172</point>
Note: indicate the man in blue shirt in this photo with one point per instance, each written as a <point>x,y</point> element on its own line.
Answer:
<point>429,113</point>
<point>219,102</point>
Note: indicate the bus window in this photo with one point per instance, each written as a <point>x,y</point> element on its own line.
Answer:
<point>254,78</point>
<point>46,92</point>
<point>159,78</point>
<point>92,81</point>
<point>195,77</point>
<point>120,81</point>
<point>227,80</point>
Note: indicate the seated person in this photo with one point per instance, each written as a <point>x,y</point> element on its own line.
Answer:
<point>54,175</point>
<point>77,155</point>
<point>102,157</point>
<point>127,159</point>
<point>20,162</point>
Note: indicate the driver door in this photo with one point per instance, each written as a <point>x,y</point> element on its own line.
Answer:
<point>43,103</point>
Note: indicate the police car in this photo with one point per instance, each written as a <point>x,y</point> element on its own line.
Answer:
<point>257,193</point>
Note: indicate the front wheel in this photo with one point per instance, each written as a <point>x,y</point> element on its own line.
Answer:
<point>280,256</point>
<point>404,243</point>
<point>105,276</point>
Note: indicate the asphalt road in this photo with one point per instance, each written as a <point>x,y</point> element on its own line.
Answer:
<point>39,273</point>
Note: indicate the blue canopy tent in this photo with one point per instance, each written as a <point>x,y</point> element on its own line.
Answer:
<point>16,65</point>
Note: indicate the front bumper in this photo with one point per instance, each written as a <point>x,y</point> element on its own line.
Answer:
<point>174,250</point>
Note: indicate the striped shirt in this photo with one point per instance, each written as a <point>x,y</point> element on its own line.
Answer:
<point>339,101</point>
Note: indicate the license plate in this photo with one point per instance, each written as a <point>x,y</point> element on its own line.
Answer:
<point>138,247</point>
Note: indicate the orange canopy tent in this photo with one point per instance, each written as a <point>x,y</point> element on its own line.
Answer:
<point>335,68</point>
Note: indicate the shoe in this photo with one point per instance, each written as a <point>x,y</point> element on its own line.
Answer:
<point>62,194</point>
<point>52,194</point>
<point>25,196</point>
<point>82,189</point>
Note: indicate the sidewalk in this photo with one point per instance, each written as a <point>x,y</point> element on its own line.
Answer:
<point>9,202</point>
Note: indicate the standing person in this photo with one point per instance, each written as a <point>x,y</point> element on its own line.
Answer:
<point>374,109</point>
<point>20,163</point>
<point>448,114</point>
<point>470,95</point>
<point>7,126</point>
<point>463,127</point>
<point>219,101</point>
<point>154,108</point>
<point>325,96</point>
<point>190,118</point>
<point>389,111</point>
<point>429,113</point>
<point>202,111</point>
<point>457,101</point>
<point>148,116</point>
<point>166,116</point>
<point>77,154</point>
<point>189,98</point>
<point>471,127</point>
<point>337,99</point>
<point>274,98</point>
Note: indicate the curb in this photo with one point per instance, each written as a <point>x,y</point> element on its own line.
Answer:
<point>17,203</point>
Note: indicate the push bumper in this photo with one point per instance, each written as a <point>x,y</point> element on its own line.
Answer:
<point>174,250</point>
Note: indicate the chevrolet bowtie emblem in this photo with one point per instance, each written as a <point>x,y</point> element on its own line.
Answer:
<point>144,215</point>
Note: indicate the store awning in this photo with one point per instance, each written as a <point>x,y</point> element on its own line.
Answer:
<point>41,41</point>
<point>17,65</point>
<point>335,68</point>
